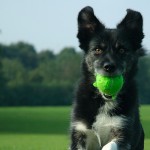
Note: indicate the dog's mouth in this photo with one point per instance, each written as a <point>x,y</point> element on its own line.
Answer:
<point>107,97</point>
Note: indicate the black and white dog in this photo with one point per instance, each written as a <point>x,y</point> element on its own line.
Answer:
<point>98,122</point>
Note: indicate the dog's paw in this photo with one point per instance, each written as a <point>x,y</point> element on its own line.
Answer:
<point>110,146</point>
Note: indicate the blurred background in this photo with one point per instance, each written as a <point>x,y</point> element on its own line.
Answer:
<point>40,66</point>
<point>40,58</point>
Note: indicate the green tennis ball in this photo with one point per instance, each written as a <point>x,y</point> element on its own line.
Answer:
<point>109,85</point>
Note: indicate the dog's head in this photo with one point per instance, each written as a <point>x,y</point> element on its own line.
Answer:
<point>110,52</point>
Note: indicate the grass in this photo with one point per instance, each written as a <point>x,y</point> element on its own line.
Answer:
<point>33,142</point>
<point>44,128</point>
<point>34,128</point>
<point>145,118</point>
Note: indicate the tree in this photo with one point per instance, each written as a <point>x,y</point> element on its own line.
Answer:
<point>3,89</point>
<point>45,55</point>
<point>24,52</point>
<point>69,62</point>
<point>143,79</point>
<point>14,72</point>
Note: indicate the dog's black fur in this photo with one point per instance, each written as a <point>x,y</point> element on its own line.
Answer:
<point>109,52</point>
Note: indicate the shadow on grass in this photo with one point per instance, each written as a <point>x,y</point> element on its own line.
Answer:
<point>44,127</point>
<point>35,120</point>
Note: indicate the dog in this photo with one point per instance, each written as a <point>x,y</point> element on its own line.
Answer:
<point>98,122</point>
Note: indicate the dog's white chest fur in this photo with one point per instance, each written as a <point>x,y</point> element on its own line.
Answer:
<point>103,126</point>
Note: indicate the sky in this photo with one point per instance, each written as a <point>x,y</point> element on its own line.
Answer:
<point>52,24</point>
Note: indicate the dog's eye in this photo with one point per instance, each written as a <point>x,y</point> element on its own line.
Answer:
<point>121,51</point>
<point>98,51</point>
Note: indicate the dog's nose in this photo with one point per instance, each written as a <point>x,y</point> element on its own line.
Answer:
<point>109,67</point>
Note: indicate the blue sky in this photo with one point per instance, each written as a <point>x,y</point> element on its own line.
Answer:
<point>52,25</point>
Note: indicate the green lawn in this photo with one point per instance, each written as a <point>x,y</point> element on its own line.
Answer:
<point>44,128</point>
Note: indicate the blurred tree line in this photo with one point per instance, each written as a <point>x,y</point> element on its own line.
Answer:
<point>31,78</point>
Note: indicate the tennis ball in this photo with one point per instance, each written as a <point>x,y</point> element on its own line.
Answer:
<point>109,85</point>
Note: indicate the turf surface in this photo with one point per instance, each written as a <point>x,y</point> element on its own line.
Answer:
<point>44,128</point>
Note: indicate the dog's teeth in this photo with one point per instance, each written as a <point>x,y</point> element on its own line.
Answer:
<point>108,96</point>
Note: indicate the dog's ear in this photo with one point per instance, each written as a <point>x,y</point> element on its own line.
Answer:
<point>88,25</point>
<point>132,25</point>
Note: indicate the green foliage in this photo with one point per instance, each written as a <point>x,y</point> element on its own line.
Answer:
<point>45,78</point>
<point>24,52</point>
<point>14,72</point>
<point>45,56</point>
<point>143,79</point>
<point>42,78</point>
<point>3,89</point>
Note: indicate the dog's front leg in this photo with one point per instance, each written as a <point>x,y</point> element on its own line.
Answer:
<point>78,135</point>
<point>78,140</point>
